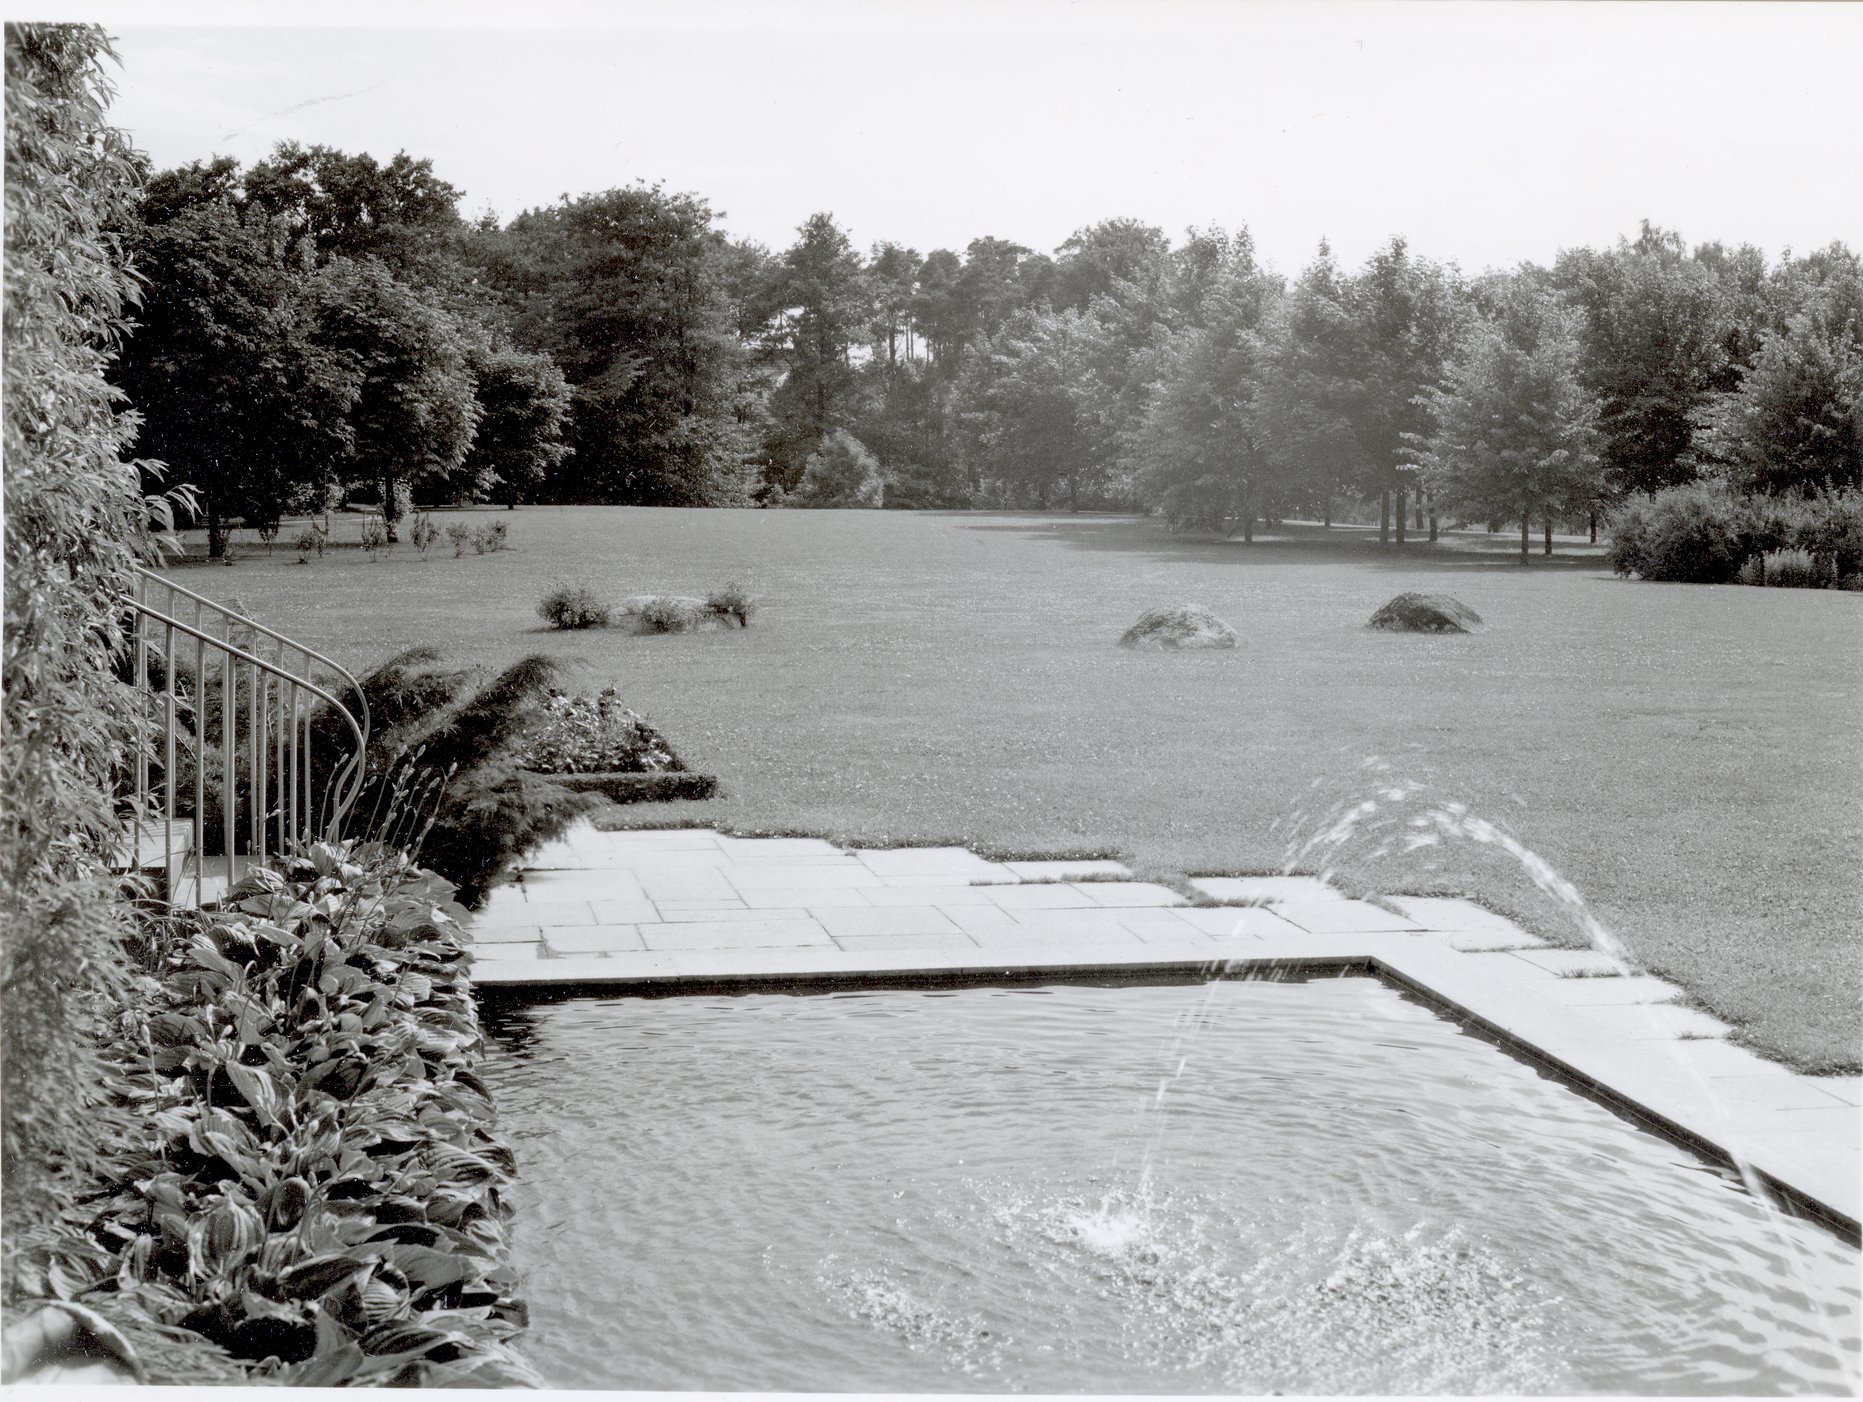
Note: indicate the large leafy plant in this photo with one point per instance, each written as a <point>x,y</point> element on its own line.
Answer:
<point>314,1189</point>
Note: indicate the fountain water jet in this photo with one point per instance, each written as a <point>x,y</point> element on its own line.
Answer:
<point>1386,822</point>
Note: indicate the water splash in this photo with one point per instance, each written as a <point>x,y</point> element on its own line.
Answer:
<point>1386,822</point>
<point>1386,818</point>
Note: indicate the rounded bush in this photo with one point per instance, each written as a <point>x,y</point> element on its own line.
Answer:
<point>571,606</point>
<point>1686,534</point>
<point>732,602</point>
<point>1797,569</point>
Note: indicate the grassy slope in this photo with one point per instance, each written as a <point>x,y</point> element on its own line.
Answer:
<point>1688,756</point>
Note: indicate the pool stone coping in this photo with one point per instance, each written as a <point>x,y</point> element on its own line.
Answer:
<point>693,910</point>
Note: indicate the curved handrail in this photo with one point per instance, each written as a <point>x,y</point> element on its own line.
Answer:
<point>310,654</point>
<point>352,772</point>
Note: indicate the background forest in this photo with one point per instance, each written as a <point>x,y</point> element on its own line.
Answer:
<point>321,327</point>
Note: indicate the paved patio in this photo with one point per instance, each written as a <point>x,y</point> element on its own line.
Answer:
<point>688,906</point>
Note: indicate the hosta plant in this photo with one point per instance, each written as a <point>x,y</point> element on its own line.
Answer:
<point>316,1192</point>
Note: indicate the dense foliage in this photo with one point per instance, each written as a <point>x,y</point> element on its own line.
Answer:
<point>76,521</point>
<point>462,362</point>
<point>310,1183</point>
<point>1709,532</point>
<point>572,606</point>
<point>443,772</point>
<point>594,735</point>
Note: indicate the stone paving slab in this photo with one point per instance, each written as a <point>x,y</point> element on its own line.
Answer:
<point>1265,888</point>
<point>1127,893</point>
<point>691,907</point>
<point>1067,871</point>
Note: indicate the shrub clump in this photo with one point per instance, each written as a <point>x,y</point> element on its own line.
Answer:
<point>489,539</point>
<point>732,603</point>
<point>1706,532</point>
<point>443,766</point>
<point>314,1191</point>
<point>1794,569</point>
<point>459,536</point>
<point>668,613</point>
<point>572,606</point>
<point>841,473</point>
<point>594,735</point>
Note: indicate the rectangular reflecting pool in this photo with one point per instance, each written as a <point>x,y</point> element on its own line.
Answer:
<point>1311,1185</point>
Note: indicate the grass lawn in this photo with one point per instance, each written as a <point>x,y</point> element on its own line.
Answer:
<point>1687,755</point>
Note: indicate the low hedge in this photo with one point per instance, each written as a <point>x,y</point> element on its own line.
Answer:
<point>315,1192</point>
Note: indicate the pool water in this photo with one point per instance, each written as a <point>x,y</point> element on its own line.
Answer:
<point>1314,1186</point>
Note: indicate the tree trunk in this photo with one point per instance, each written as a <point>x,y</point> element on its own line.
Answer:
<point>1327,522</point>
<point>1073,491</point>
<point>1432,528</point>
<point>1526,527</point>
<point>1594,528</point>
<point>1548,549</point>
<point>391,508</point>
<point>1384,518</point>
<point>1248,518</point>
<point>216,531</point>
<point>1419,510</point>
<point>1401,517</point>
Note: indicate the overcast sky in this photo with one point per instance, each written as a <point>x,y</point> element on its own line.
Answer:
<point>1485,133</point>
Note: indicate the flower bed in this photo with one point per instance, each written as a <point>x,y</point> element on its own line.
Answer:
<point>596,745</point>
<point>594,735</point>
<point>315,1190</point>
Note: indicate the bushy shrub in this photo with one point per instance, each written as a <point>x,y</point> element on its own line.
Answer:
<point>309,542</point>
<point>732,602</point>
<point>1689,534</point>
<point>459,536</point>
<point>448,755</point>
<point>374,535</point>
<point>842,473</point>
<point>1797,569</point>
<point>1753,571</point>
<point>493,537</point>
<point>1705,532</point>
<point>313,1188</point>
<point>423,533</point>
<point>570,606</point>
<point>594,735</point>
<point>667,613</point>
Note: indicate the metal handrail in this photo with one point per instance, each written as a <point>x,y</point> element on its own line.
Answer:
<point>147,576</point>
<point>279,706</point>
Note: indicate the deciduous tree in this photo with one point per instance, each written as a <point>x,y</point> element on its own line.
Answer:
<point>1513,429</point>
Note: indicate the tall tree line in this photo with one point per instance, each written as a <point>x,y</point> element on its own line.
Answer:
<point>322,323</point>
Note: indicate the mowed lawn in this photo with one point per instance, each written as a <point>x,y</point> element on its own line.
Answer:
<point>1688,756</point>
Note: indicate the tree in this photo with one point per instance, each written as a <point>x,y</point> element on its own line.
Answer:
<point>1026,401</point>
<point>640,301</point>
<point>237,395</point>
<point>351,206</point>
<point>1312,387</point>
<point>524,410</point>
<point>841,473</point>
<point>1655,334</point>
<point>414,413</point>
<point>1095,260</point>
<point>823,304</point>
<point>1513,429</point>
<point>1795,424</point>
<point>1203,442</point>
<point>1407,320</point>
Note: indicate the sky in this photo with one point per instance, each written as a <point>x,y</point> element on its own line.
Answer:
<point>1484,133</point>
